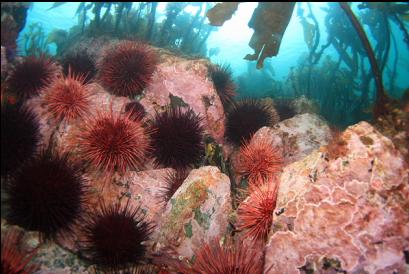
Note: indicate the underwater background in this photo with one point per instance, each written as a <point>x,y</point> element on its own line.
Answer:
<point>284,75</point>
<point>204,137</point>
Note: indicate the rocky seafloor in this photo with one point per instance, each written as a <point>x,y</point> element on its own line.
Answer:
<point>343,214</point>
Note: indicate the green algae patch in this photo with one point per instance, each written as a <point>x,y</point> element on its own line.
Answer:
<point>366,140</point>
<point>188,230</point>
<point>203,219</point>
<point>183,208</point>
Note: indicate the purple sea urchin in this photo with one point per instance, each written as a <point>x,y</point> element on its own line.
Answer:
<point>28,77</point>
<point>114,236</point>
<point>246,117</point>
<point>177,138</point>
<point>224,85</point>
<point>126,68</point>
<point>135,110</point>
<point>80,63</point>
<point>19,136</point>
<point>47,195</point>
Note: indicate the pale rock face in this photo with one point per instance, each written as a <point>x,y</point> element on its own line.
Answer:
<point>196,213</point>
<point>184,82</point>
<point>295,137</point>
<point>350,213</point>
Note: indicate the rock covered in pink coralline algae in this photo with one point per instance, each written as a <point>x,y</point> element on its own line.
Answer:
<point>196,213</point>
<point>346,214</point>
<point>178,81</point>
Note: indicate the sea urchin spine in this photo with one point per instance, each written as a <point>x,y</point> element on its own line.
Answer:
<point>20,136</point>
<point>12,260</point>
<point>113,142</point>
<point>224,85</point>
<point>68,98</point>
<point>47,195</point>
<point>259,160</point>
<point>255,215</point>
<point>126,68</point>
<point>177,138</point>
<point>115,235</point>
<point>31,75</point>
<point>244,118</point>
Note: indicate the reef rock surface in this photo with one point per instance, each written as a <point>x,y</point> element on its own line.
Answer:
<point>196,213</point>
<point>349,214</point>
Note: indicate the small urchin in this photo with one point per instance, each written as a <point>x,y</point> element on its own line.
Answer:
<point>259,160</point>
<point>255,214</point>
<point>113,142</point>
<point>173,180</point>
<point>177,138</point>
<point>114,236</point>
<point>221,76</point>
<point>68,98</point>
<point>20,136</point>
<point>135,110</point>
<point>46,195</point>
<point>245,117</point>
<point>127,68</point>
<point>31,75</point>
<point>79,63</point>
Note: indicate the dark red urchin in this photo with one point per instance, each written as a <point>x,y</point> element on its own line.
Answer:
<point>177,138</point>
<point>173,180</point>
<point>68,98</point>
<point>237,258</point>
<point>222,79</point>
<point>31,75</point>
<point>112,142</point>
<point>80,62</point>
<point>244,118</point>
<point>136,110</point>
<point>47,195</point>
<point>255,214</point>
<point>126,68</point>
<point>114,237</point>
<point>12,260</point>
<point>284,108</point>
<point>20,136</point>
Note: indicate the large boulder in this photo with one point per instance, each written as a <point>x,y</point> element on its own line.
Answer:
<point>346,213</point>
<point>196,213</point>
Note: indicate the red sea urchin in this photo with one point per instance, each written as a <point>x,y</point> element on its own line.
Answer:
<point>28,77</point>
<point>173,179</point>
<point>244,118</point>
<point>113,142</point>
<point>47,195</point>
<point>256,213</point>
<point>19,136</point>
<point>177,138</point>
<point>68,98</point>
<point>259,160</point>
<point>114,237</point>
<point>213,258</point>
<point>126,68</point>
<point>12,260</point>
